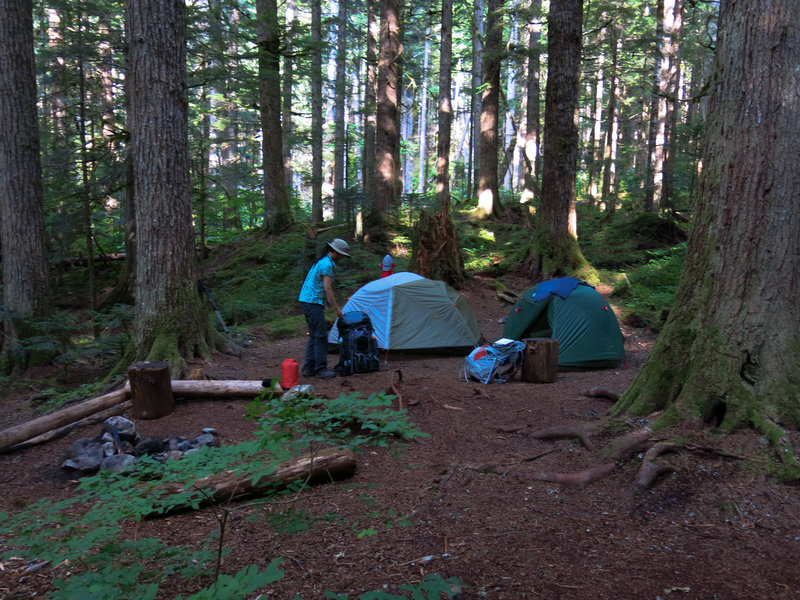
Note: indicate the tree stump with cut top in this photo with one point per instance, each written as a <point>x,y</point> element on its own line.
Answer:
<point>540,360</point>
<point>151,390</point>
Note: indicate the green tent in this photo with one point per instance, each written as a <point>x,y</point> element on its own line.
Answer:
<point>575,314</point>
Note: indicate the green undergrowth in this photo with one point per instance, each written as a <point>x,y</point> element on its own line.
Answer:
<point>88,530</point>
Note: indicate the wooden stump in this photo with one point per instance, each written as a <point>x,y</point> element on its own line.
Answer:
<point>540,360</point>
<point>151,390</point>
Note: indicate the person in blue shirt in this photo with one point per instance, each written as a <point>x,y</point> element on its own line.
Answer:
<point>317,288</point>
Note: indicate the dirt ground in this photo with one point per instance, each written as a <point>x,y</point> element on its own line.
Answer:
<point>469,502</point>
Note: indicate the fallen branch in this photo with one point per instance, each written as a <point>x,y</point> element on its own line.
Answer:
<point>332,464</point>
<point>627,443</point>
<point>651,468</point>
<point>565,431</point>
<point>602,392</point>
<point>578,478</point>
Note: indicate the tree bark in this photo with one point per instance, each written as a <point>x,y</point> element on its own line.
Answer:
<point>340,92</point>
<point>277,214</point>
<point>438,253</point>
<point>286,89</point>
<point>316,111</point>
<point>151,390</point>
<point>170,322</point>
<point>731,345</point>
<point>488,184</point>
<point>386,136</point>
<point>554,249</point>
<point>532,95</point>
<point>25,431</point>
<point>370,101</point>
<point>332,464</point>
<point>22,233</point>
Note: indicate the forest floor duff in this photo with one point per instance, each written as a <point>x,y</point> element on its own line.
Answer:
<point>470,501</point>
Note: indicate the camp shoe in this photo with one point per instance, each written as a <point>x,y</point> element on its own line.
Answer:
<point>326,374</point>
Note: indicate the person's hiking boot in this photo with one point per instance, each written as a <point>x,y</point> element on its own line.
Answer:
<point>326,374</point>
<point>306,372</point>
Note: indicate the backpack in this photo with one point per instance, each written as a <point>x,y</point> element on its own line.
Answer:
<point>484,361</point>
<point>358,346</point>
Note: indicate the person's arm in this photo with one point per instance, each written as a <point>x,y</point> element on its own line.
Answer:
<point>327,284</point>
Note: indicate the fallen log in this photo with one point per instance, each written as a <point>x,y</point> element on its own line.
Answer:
<point>62,431</point>
<point>331,464</point>
<point>26,431</point>
<point>205,389</point>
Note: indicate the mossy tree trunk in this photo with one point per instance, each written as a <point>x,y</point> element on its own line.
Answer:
<point>22,232</point>
<point>554,248</point>
<point>171,323</point>
<point>730,350</point>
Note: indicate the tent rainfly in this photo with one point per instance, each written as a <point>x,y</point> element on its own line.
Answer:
<point>575,314</point>
<point>410,312</point>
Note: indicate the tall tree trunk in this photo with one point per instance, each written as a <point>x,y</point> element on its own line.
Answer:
<point>674,28</point>
<point>730,348</point>
<point>22,234</point>
<point>86,191</point>
<point>386,138</point>
<point>288,81</point>
<point>340,91</point>
<point>170,322</point>
<point>488,184</point>
<point>652,187</point>
<point>608,193</point>
<point>277,214</point>
<point>438,255</point>
<point>370,100</point>
<point>316,111</point>
<point>475,104</point>
<point>532,99</point>
<point>555,250</point>
<point>422,169</point>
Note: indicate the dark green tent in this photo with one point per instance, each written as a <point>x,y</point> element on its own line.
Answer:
<point>575,314</point>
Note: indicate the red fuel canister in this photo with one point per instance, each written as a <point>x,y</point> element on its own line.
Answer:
<point>289,373</point>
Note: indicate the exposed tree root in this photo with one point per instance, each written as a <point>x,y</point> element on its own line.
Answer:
<point>504,462</point>
<point>578,478</point>
<point>602,392</point>
<point>627,443</point>
<point>397,377</point>
<point>652,468</point>
<point>565,431</point>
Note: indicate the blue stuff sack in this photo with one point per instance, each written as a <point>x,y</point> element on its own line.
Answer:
<point>484,362</point>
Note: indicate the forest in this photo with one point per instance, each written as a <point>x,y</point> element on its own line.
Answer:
<point>314,80</point>
<point>643,146</point>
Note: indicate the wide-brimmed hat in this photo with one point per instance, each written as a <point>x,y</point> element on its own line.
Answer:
<point>340,246</point>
